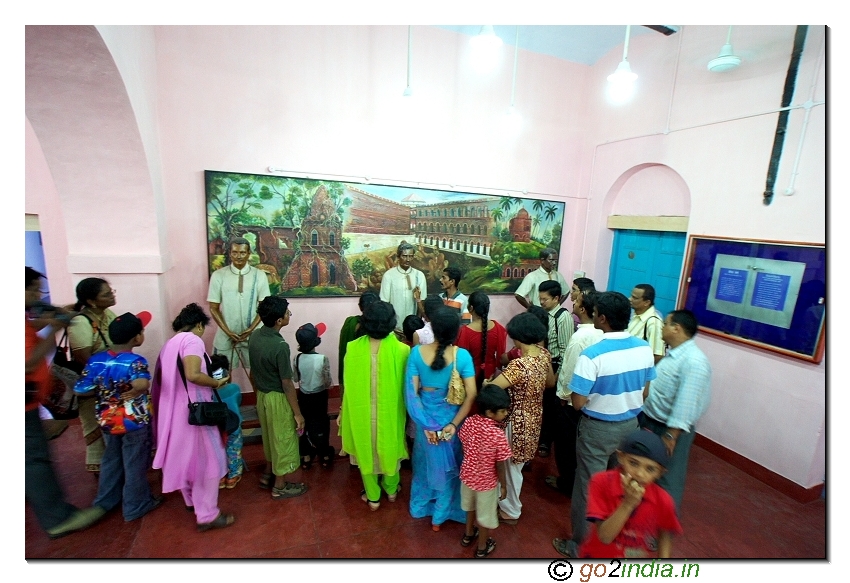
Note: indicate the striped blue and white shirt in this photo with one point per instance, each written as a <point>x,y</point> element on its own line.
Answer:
<point>612,374</point>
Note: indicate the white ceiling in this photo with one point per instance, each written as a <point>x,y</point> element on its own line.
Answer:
<point>583,44</point>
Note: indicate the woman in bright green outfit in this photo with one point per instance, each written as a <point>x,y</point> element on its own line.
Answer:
<point>372,415</point>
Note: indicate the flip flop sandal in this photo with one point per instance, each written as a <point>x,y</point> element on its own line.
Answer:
<point>266,481</point>
<point>373,506</point>
<point>230,483</point>
<point>507,519</point>
<point>306,464</point>
<point>393,497</point>
<point>467,538</point>
<point>491,546</point>
<point>222,520</point>
<point>328,458</point>
<point>290,490</point>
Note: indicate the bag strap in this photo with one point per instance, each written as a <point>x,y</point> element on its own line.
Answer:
<point>557,336</point>
<point>646,324</point>
<point>99,331</point>
<point>64,342</point>
<point>183,376</point>
<point>454,362</point>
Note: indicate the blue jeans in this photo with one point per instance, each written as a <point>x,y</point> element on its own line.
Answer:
<point>123,474</point>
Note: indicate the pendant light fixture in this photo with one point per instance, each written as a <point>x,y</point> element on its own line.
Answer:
<point>725,60</point>
<point>486,39</point>
<point>513,118</point>
<point>408,92</point>
<point>621,82</point>
<point>485,50</point>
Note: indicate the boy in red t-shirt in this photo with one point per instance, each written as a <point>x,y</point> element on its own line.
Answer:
<point>632,516</point>
<point>482,473</point>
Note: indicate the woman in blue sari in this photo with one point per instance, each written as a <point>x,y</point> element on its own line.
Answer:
<point>437,453</point>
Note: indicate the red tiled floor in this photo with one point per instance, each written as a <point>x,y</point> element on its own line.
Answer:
<point>725,514</point>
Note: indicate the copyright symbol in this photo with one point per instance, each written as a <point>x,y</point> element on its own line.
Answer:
<point>560,570</point>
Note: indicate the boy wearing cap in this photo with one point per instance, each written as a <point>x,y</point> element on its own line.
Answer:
<point>312,372</point>
<point>632,516</point>
<point>119,379</point>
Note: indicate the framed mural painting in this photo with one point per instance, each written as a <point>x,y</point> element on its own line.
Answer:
<point>767,294</point>
<point>323,238</point>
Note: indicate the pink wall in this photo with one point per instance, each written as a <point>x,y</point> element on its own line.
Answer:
<point>719,146</point>
<point>327,100</point>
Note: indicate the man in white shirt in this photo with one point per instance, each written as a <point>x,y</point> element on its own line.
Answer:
<point>646,323</point>
<point>402,285</point>
<point>567,421</point>
<point>527,293</point>
<point>234,293</point>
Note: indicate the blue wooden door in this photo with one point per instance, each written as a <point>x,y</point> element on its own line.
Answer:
<point>653,257</point>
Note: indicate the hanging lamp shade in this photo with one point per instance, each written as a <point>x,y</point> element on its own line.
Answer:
<point>623,74</point>
<point>486,38</point>
<point>726,59</point>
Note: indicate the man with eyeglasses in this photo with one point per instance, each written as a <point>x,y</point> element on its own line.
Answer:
<point>402,285</point>
<point>527,293</point>
<point>646,323</point>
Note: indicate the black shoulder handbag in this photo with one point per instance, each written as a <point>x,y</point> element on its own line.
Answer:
<point>209,413</point>
<point>63,357</point>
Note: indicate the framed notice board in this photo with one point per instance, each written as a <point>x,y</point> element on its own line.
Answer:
<point>767,294</point>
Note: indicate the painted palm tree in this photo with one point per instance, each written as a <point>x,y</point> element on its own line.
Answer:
<point>551,212</point>
<point>537,205</point>
<point>535,226</point>
<point>507,203</point>
<point>497,214</point>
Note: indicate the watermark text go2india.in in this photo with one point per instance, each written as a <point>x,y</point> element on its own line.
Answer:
<point>562,570</point>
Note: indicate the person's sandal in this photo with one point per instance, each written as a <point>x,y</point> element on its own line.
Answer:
<point>468,538</point>
<point>266,481</point>
<point>393,497</point>
<point>507,519</point>
<point>481,553</point>
<point>306,464</point>
<point>373,506</point>
<point>230,483</point>
<point>290,490</point>
<point>328,458</point>
<point>222,520</point>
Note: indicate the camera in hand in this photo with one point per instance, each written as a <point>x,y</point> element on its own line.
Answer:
<point>219,364</point>
<point>40,309</point>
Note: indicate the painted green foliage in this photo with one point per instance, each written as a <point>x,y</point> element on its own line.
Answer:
<point>278,205</point>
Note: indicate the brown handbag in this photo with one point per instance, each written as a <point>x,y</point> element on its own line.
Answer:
<point>457,390</point>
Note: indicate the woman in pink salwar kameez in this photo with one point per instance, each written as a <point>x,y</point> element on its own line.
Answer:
<point>192,457</point>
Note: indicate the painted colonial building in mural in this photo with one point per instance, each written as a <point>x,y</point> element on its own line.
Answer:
<point>318,257</point>
<point>373,214</point>
<point>464,226</point>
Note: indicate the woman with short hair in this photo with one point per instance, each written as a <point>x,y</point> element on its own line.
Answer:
<point>524,378</point>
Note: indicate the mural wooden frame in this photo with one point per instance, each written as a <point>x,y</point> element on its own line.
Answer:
<point>324,238</point>
<point>779,286</point>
